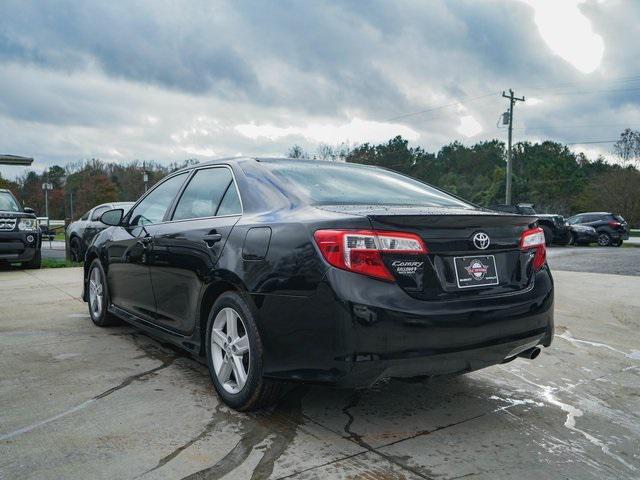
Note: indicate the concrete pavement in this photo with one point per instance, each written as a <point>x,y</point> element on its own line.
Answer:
<point>79,402</point>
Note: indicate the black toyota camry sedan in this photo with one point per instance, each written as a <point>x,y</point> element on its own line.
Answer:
<point>279,270</point>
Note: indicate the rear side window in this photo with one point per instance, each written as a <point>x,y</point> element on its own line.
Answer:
<point>153,207</point>
<point>329,183</point>
<point>209,193</point>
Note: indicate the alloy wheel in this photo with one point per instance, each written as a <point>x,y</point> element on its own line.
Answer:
<point>230,350</point>
<point>96,292</point>
<point>604,240</point>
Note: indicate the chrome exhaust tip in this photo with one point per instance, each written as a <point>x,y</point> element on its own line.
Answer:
<point>530,354</point>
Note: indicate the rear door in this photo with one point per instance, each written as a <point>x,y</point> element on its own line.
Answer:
<point>187,248</point>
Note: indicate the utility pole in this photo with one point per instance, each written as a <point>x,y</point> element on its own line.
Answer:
<point>512,102</point>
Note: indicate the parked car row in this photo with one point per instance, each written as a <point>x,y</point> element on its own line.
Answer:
<point>604,228</point>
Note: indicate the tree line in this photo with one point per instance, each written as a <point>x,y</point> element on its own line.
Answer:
<point>79,186</point>
<point>547,174</point>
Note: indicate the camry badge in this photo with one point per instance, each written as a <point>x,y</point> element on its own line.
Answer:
<point>481,240</point>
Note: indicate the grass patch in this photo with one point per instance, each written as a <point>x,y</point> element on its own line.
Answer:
<point>634,233</point>
<point>58,263</point>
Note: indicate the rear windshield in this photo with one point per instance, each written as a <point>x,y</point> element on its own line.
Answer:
<point>327,183</point>
<point>8,203</point>
<point>618,218</point>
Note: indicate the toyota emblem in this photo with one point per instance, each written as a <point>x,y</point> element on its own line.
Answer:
<point>481,240</point>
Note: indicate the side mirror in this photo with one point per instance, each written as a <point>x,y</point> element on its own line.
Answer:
<point>29,210</point>
<point>112,217</point>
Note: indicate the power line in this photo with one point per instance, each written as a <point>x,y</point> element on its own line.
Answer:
<point>631,78</point>
<point>441,107</point>
<point>538,87</point>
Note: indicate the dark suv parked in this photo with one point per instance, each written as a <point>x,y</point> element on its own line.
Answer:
<point>612,229</point>
<point>20,237</point>
<point>555,230</point>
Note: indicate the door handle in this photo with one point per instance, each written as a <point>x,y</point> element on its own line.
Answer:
<point>145,242</point>
<point>211,239</point>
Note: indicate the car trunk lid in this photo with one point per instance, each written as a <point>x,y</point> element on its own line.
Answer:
<point>449,236</point>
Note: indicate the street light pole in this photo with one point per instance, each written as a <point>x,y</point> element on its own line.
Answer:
<point>145,176</point>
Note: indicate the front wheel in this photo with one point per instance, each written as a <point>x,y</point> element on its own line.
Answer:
<point>36,262</point>
<point>99,297</point>
<point>75,250</point>
<point>548,235</point>
<point>234,355</point>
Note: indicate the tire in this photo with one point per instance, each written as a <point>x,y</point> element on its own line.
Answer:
<point>617,243</point>
<point>239,381</point>
<point>548,235</point>
<point>75,250</point>
<point>35,263</point>
<point>604,239</point>
<point>98,312</point>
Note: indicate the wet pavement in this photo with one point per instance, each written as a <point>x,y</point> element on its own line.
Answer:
<point>79,402</point>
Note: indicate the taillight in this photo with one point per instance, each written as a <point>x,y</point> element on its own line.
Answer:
<point>534,239</point>
<point>361,251</point>
<point>614,224</point>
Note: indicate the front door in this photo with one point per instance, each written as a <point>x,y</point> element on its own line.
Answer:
<point>187,248</point>
<point>130,250</point>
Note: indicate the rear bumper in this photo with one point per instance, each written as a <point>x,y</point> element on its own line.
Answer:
<point>15,246</point>
<point>356,330</point>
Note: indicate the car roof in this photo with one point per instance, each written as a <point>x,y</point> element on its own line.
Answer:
<point>232,160</point>
<point>112,204</point>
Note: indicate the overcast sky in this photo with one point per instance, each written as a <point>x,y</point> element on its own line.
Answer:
<point>164,80</point>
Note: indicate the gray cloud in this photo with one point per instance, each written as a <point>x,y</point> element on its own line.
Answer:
<point>160,79</point>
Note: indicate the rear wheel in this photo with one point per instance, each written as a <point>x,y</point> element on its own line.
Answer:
<point>234,355</point>
<point>604,239</point>
<point>99,297</point>
<point>617,243</point>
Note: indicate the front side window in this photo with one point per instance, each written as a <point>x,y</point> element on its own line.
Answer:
<point>153,207</point>
<point>211,192</point>
<point>8,203</point>
<point>329,183</point>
